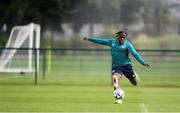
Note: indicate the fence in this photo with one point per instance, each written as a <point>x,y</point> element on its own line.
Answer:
<point>93,66</point>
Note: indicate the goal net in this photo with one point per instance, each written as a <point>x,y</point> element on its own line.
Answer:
<point>18,54</point>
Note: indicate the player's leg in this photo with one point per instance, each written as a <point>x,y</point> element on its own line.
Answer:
<point>129,73</point>
<point>116,77</point>
<point>117,89</point>
<point>132,79</point>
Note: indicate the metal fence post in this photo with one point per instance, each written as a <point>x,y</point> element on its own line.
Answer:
<point>44,63</point>
<point>35,58</point>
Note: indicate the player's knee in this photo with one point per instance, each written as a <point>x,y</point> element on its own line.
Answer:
<point>115,78</point>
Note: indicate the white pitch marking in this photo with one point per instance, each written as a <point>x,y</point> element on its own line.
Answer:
<point>143,108</point>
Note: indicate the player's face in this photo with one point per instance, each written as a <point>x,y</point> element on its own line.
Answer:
<point>122,37</point>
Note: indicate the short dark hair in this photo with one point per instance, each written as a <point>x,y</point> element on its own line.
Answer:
<point>119,32</point>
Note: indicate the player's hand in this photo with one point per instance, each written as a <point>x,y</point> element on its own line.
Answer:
<point>147,65</point>
<point>85,38</point>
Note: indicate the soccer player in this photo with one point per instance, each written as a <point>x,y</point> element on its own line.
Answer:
<point>121,64</point>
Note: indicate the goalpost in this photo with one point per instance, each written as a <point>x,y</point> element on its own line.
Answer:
<point>18,54</point>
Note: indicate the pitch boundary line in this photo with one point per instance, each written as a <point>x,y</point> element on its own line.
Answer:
<point>142,106</point>
<point>86,112</point>
<point>6,78</point>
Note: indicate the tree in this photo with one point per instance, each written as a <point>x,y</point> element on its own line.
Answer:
<point>49,13</point>
<point>129,9</point>
<point>84,12</point>
<point>155,13</point>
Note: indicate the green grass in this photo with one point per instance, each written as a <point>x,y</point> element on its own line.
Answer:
<point>161,42</point>
<point>84,85</point>
<point>53,96</point>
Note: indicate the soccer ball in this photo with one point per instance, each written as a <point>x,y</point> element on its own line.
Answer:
<point>119,94</point>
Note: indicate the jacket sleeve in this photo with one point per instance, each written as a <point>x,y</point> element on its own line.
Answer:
<point>135,54</point>
<point>102,41</point>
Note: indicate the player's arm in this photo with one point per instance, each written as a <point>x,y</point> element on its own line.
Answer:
<point>137,55</point>
<point>98,40</point>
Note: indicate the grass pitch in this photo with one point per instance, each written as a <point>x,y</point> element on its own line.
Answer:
<point>85,86</point>
<point>52,96</point>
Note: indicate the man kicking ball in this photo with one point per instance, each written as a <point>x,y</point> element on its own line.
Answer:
<point>121,64</point>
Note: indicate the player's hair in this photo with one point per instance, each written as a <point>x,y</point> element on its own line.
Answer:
<point>119,32</point>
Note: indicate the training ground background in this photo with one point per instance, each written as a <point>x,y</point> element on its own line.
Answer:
<point>80,81</point>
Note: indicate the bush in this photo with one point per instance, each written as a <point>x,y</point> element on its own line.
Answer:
<point>3,41</point>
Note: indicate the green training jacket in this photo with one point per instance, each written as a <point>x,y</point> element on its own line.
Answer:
<point>119,52</point>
